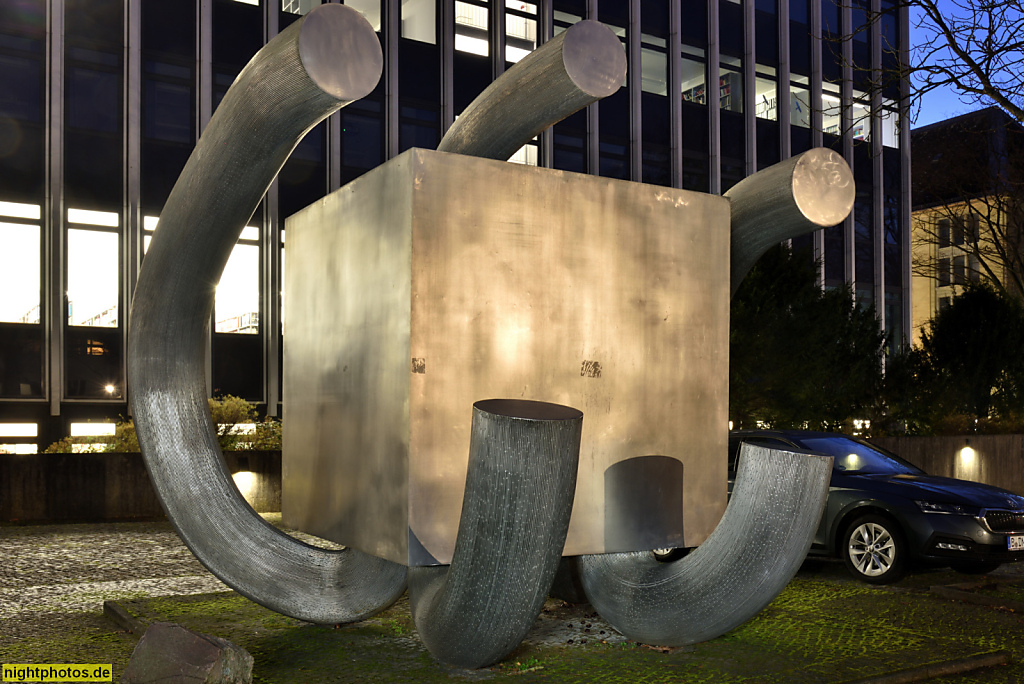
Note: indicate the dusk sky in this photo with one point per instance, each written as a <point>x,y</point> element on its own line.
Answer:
<point>938,104</point>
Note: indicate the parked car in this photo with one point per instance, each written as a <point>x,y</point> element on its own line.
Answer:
<point>884,514</point>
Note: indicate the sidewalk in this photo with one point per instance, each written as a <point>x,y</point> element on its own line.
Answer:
<point>825,627</point>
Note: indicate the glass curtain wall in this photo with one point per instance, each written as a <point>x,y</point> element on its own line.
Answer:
<point>726,77</point>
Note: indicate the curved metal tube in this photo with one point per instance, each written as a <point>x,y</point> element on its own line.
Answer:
<point>749,558</point>
<point>523,457</point>
<point>325,60</point>
<point>807,192</point>
<point>579,66</point>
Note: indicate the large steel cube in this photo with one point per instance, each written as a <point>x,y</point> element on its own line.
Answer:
<point>437,280</point>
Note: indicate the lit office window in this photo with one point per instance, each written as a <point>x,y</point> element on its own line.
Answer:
<point>694,88</point>
<point>653,65</point>
<point>831,109</point>
<point>861,116</point>
<point>238,293</point>
<point>370,9</point>
<point>19,449</point>
<point>92,429</point>
<point>564,20</point>
<point>92,292</point>
<point>766,98</point>
<point>730,84</point>
<point>799,102</point>
<point>86,217</point>
<point>418,21</point>
<point>520,29</point>
<point>890,124</point>
<point>19,210</point>
<point>527,154</point>
<point>471,28</point>
<point>19,429</point>
<point>19,279</point>
<point>299,6</point>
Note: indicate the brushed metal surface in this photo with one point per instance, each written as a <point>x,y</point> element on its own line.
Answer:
<point>575,68</point>
<point>271,105</point>
<point>801,194</point>
<point>754,552</point>
<point>523,458</point>
<point>436,280</point>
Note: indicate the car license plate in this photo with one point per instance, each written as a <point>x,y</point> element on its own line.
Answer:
<point>1015,543</point>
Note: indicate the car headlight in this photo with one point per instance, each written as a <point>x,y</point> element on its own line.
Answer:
<point>948,508</point>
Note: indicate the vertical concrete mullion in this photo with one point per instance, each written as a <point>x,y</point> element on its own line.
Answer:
<point>204,110</point>
<point>714,102</point>
<point>878,165</point>
<point>446,45</point>
<point>391,30</point>
<point>749,91</point>
<point>496,37</point>
<point>905,187</point>
<point>545,31</point>
<point>783,82</point>
<point>270,255</point>
<point>55,280</point>
<point>675,92</point>
<point>816,116</point>
<point>634,81</point>
<point>132,237</point>
<point>846,129</point>
<point>593,121</point>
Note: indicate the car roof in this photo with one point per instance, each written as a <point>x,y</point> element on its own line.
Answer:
<point>787,434</point>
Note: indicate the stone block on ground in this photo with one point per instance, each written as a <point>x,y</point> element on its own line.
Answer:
<point>171,653</point>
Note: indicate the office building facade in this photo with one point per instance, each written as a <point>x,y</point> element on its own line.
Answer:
<point>102,102</point>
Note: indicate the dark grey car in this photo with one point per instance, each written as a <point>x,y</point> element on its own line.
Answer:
<point>884,513</point>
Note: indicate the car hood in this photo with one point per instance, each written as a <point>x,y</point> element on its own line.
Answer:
<point>939,489</point>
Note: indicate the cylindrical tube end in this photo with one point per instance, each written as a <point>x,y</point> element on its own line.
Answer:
<point>823,187</point>
<point>594,58</point>
<point>340,52</point>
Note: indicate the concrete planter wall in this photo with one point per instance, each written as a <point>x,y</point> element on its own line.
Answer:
<point>993,459</point>
<point>113,486</point>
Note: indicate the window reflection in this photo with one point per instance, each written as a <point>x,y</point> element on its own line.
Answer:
<point>799,102</point>
<point>369,9</point>
<point>299,6</point>
<point>471,28</point>
<point>19,279</point>
<point>730,85</point>
<point>92,264</point>
<point>653,65</point>
<point>237,305</point>
<point>694,89</point>
<point>520,29</point>
<point>418,22</point>
<point>766,94</point>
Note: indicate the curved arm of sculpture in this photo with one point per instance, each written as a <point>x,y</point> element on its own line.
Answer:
<point>575,68</point>
<point>523,457</point>
<point>807,192</point>
<point>756,549</point>
<point>325,60</point>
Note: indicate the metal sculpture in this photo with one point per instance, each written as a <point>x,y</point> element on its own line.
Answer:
<point>320,63</point>
<point>749,558</point>
<point>523,460</point>
<point>522,475</point>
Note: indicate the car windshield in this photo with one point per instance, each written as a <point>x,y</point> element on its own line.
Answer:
<point>853,457</point>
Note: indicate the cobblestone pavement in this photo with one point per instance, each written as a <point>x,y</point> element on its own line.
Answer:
<point>54,579</point>
<point>50,571</point>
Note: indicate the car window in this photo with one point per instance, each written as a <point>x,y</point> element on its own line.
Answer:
<point>852,456</point>
<point>734,447</point>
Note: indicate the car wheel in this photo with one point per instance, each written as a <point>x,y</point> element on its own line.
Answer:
<point>976,567</point>
<point>667,555</point>
<point>873,550</point>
